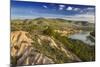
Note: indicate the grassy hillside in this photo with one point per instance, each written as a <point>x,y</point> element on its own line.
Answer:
<point>49,38</point>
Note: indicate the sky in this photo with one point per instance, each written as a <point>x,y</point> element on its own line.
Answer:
<point>30,10</point>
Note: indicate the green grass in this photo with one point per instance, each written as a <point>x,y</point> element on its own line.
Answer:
<point>55,54</point>
<point>82,50</point>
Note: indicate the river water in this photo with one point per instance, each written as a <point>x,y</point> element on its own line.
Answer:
<point>83,36</point>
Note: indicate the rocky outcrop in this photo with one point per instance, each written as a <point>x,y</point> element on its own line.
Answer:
<point>58,45</point>
<point>22,51</point>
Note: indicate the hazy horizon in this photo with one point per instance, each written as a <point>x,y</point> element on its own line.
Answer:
<point>30,10</point>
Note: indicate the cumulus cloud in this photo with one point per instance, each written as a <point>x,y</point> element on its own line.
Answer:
<point>45,6</point>
<point>82,17</point>
<point>69,8</point>
<point>89,10</point>
<point>61,7</point>
<point>86,14</point>
<point>76,9</point>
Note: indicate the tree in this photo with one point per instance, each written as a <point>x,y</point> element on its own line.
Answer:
<point>48,31</point>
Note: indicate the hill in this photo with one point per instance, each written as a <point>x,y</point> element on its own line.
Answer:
<point>45,41</point>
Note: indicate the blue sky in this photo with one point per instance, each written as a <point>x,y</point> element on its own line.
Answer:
<point>29,10</point>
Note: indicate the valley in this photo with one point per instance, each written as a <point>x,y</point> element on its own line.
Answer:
<point>51,41</point>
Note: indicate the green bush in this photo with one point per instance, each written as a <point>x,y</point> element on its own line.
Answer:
<point>82,50</point>
<point>49,31</point>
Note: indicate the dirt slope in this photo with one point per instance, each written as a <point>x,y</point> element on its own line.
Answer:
<point>24,53</point>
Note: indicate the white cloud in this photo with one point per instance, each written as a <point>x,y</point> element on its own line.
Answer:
<point>82,11</point>
<point>82,17</point>
<point>76,9</point>
<point>61,7</point>
<point>90,8</point>
<point>69,8</point>
<point>45,6</point>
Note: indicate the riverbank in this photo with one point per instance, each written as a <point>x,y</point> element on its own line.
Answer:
<point>84,37</point>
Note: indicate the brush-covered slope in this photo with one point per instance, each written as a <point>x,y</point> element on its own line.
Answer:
<point>41,50</point>
<point>45,41</point>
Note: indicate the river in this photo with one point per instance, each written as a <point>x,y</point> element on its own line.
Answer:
<point>83,36</point>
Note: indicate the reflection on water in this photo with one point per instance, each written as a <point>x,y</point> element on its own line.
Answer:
<point>83,36</point>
